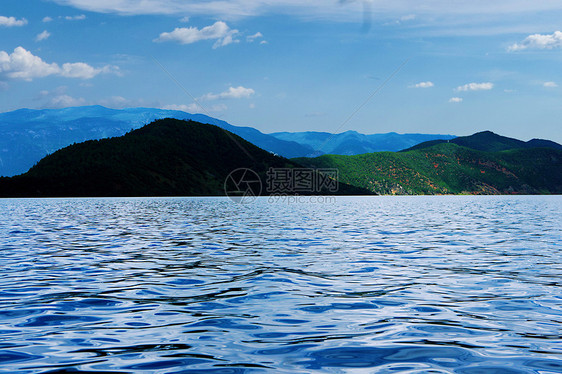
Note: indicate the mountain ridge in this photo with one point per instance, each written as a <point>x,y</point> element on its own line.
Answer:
<point>167,157</point>
<point>27,135</point>
<point>352,142</point>
<point>490,142</point>
<point>448,168</point>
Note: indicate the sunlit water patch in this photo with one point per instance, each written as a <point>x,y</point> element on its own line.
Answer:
<point>374,284</point>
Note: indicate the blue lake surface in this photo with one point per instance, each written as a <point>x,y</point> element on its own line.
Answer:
<point>451,284</point>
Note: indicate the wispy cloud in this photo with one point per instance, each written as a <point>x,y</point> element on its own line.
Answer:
<point>455,100</point>
<point>65,101</point>
<point>195,108</point>
<point>428,17</point>
<point>42,36</point>
<point>219,31</point>
<point>58,98</point>
<point>251,38</point>
<point>120,102</point>
<point>12,21</point>
<point>427,84</point>
<point>550,84</point>
<point>79,17</point>
<point>476,87</point>
<point>47,19</point>
<point>22,64</point>
<point>190,108</point>
<point>311,8</point>
<point>538,41</point>
<point>232,93</point>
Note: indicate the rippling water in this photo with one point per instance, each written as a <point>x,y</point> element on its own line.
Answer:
<point>374,284</point>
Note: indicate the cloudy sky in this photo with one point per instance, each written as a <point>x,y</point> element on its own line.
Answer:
<point>433,66</point>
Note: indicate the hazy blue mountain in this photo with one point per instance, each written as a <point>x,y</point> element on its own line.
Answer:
<point>353,143</point>
<point>27,135</point>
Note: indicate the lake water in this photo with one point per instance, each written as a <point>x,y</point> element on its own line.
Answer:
<point>455,284</point>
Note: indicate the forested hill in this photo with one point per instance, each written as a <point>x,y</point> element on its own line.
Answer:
<point>490,142</point>
<point>448,168</point>
<point>168,157</point>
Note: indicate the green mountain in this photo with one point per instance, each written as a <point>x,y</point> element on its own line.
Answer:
<point>168,157</point>
<point>448,168</point>
<point>490,142</point>
<point>172,157</point>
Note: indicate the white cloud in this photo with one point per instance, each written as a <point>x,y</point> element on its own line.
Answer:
<point>120,102</point>
<point>184,19</point>
<point>550,84</point>
<point>191,108</point>
<point>232,93</point>
<point>219,31</point>
<point>337,10</point>
<point>264,42</point>
<point>476,87</point>
<point>65,101</point>
<point>22,64</point>
<point>455,100</point>
<point>79,17</point>
<point>251,38</point>
<point>47,19</point>
<point>181,107</point>
<point>58,98</point>
<point>538,41</point>
<point>79,70</point>
<point>42,36</point>
<point>427,84</point>
<point>196,108</point>
<point>12,21</point>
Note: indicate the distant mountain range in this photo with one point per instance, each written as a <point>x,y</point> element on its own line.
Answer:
<point>172,157</point>
<point>168,157</point>
<point>175,157</point>
<point>483,163</point>
<point>28,135</point>
<point>353,143</point>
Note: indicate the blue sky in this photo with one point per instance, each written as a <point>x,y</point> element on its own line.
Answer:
<point>437,66</point>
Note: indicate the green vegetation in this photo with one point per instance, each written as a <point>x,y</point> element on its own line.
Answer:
<point>489,142</point>
<point>447,168</point>
<point>165,158</point>
<point>172,157</point>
